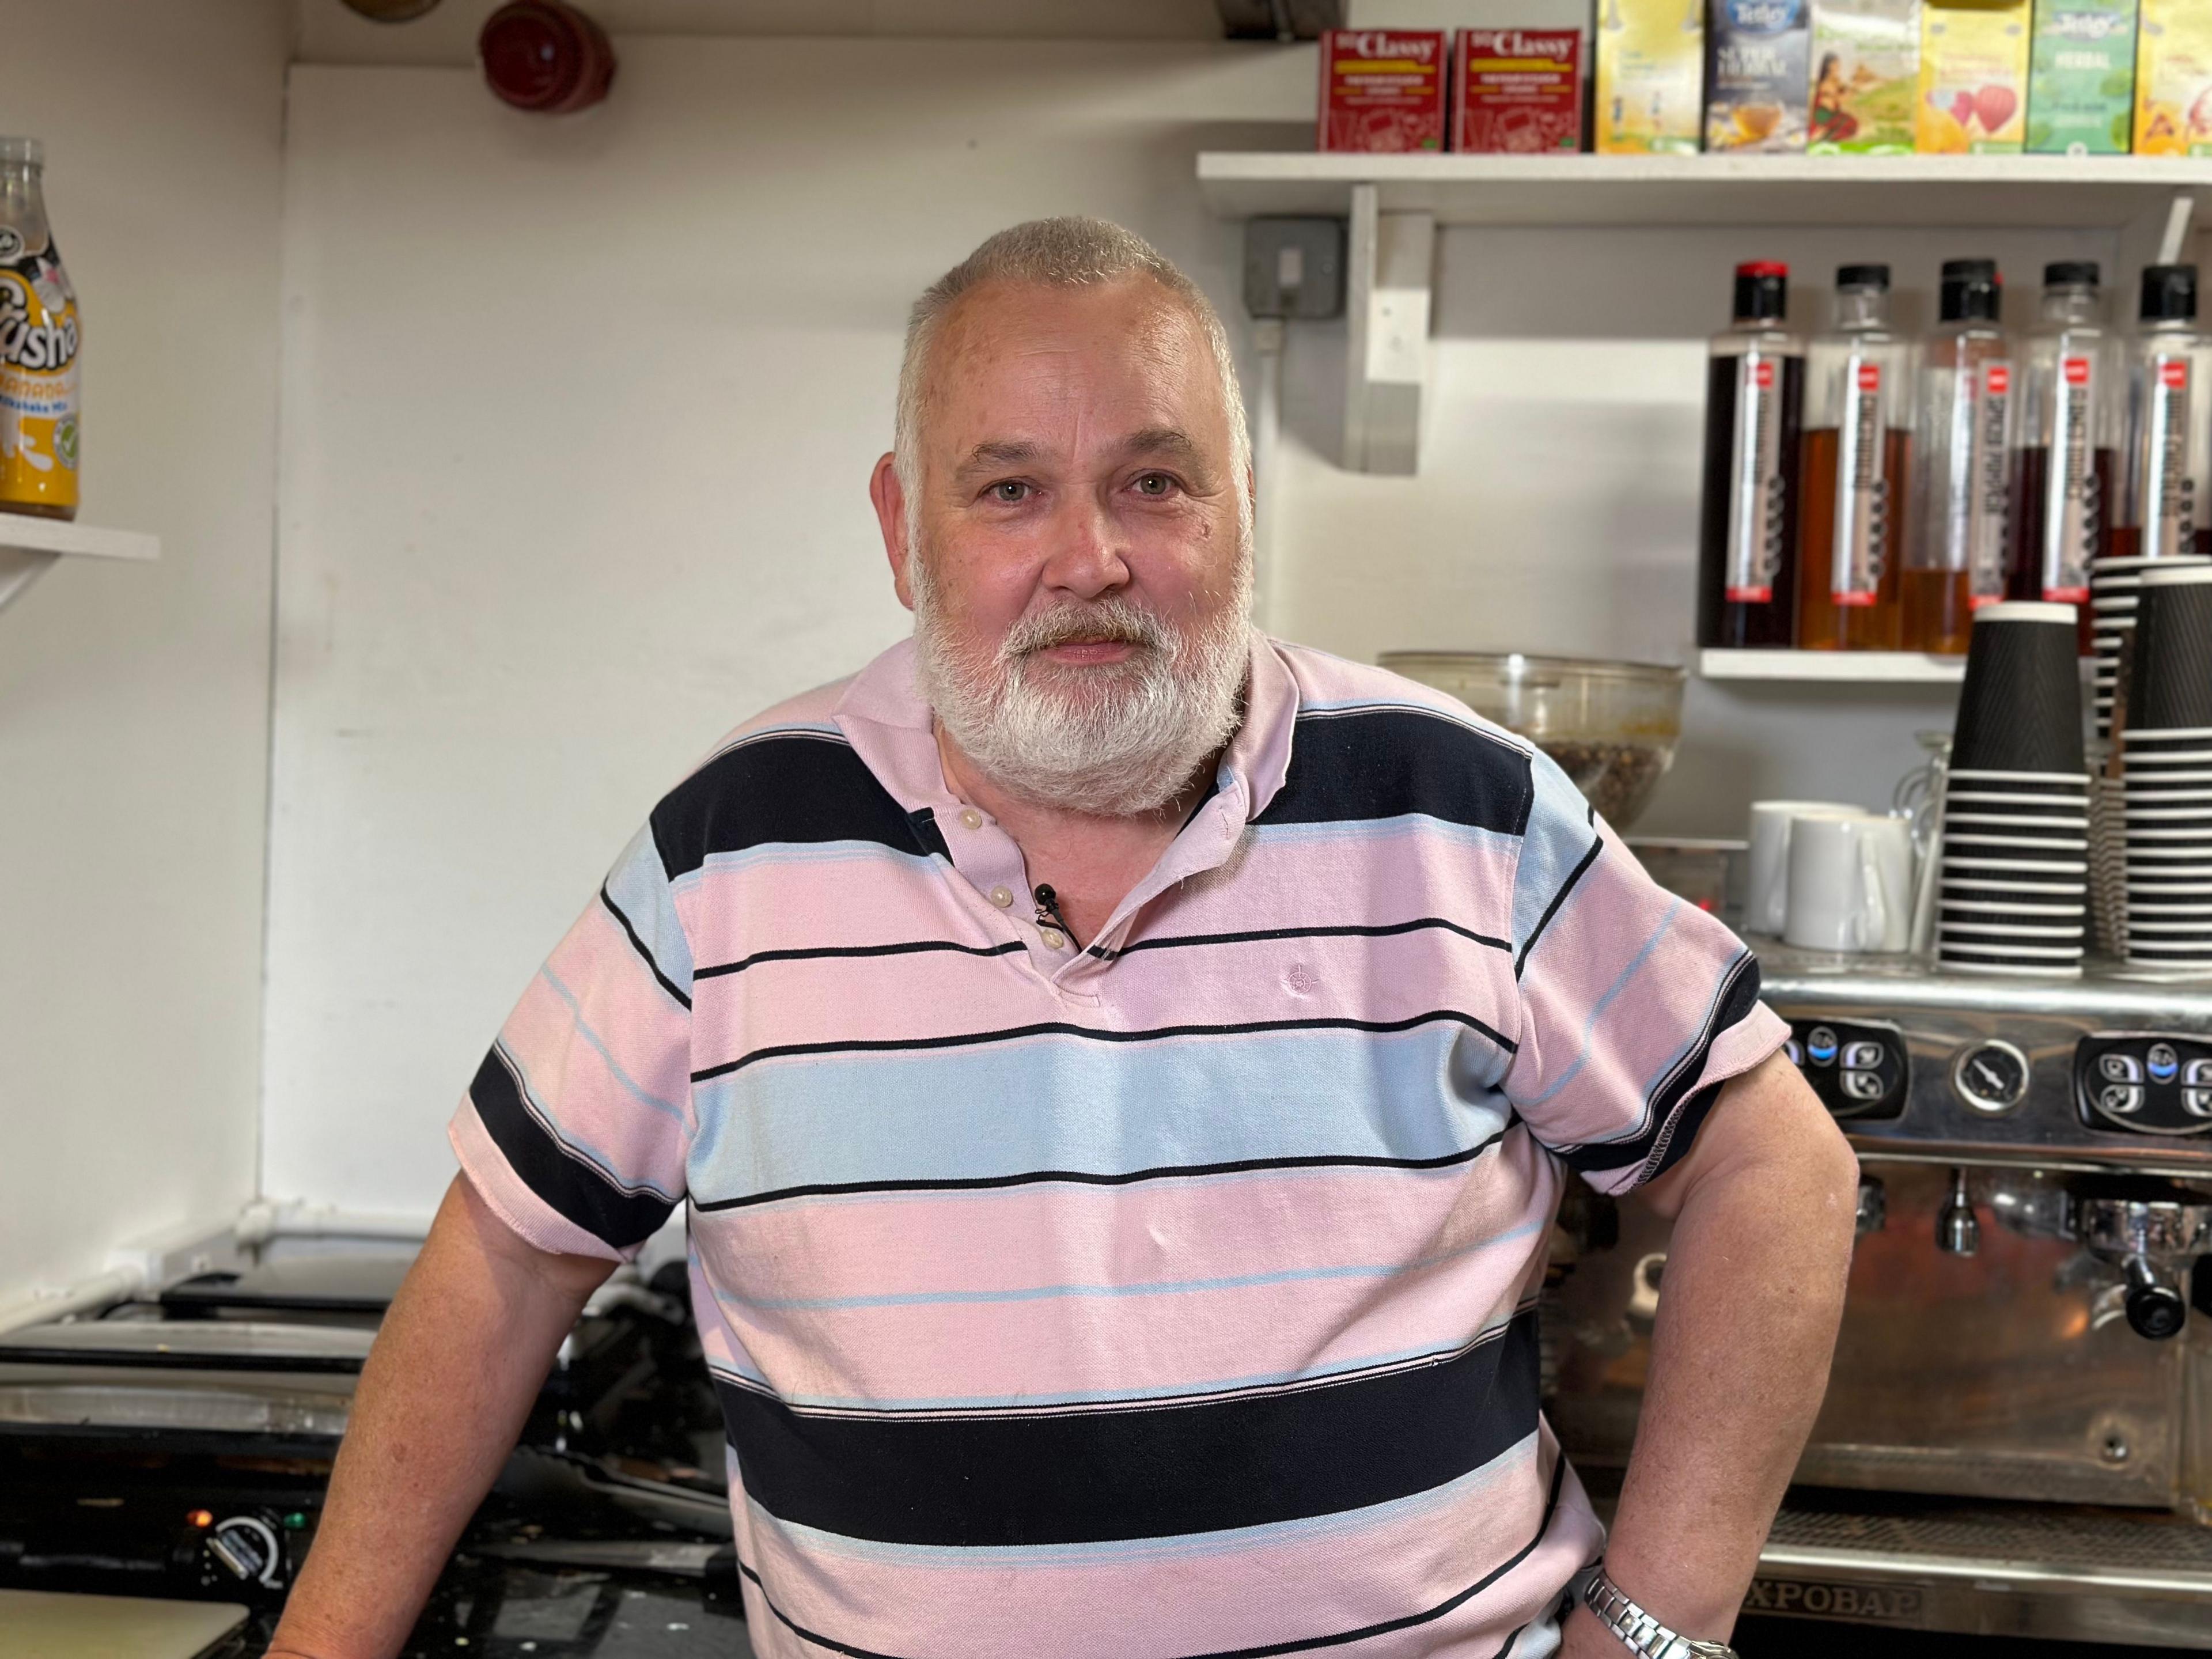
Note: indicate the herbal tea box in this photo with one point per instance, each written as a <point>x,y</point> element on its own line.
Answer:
<point>1866,76</point>
<point>1756,59</point>
<point>1650,70</point>
<point>2173,79</point>
<point>2082,78</point>
<point>1383,89</point>
<point>1517,91</point>
<point>1973,79</point>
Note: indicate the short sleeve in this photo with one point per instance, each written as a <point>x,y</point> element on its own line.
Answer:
<point>576,1129</point>
<point>1635,1005</point>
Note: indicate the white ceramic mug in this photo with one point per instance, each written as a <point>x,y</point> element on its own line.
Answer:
<point>1766,906</point>
<point>1849,883</point>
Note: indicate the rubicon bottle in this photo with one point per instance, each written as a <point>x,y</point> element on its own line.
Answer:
<point>38,346</point>
<point>1858,446</point>
<point>1956,548</point>
<point>1747,532</point>
<point>2066,458</point>
<point>2161,510</point>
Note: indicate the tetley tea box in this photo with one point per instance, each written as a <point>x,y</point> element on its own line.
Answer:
<point>1973,78</point>
<point>1866,76</point>
<point>1755,84</point>
<point>1651,63</point>
<point>2173,79</point>
<point>2081,79</point>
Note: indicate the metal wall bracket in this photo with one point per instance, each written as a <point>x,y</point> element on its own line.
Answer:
<point>1391,260</point>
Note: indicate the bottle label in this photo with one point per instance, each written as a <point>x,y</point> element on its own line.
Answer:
<point>2072,512</point>
<point>1755,484</point>
<point>37,377</point>
<point>1862,503</point>
<point>1989,492</point>
<point>2166,507</point>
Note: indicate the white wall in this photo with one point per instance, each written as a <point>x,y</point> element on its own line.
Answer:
<point>134,698</point>
<point>578,417</point>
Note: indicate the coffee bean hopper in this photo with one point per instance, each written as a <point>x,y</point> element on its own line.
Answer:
<point>2017,1435</point>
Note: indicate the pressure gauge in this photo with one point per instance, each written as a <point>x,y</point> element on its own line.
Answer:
<point>1990,1077</point>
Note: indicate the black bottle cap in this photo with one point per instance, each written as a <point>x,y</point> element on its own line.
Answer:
<point>1973,291</point>
<point>2169,294</point>
<point>1762,291</point>
<point>2072,273</point>
<point>1873,277</point>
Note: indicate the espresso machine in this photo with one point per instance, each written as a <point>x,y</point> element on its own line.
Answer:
<point>2017,1434</point>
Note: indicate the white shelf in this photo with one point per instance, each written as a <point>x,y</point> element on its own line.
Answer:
<point>29,546</point>
<point>2093,192</point>
<point>1833,667</point>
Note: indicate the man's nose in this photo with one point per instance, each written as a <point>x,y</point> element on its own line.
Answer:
<point>1087,551</point>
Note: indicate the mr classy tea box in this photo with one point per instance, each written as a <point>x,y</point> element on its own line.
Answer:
<point>1517,91</point>
<point>1383,89</point>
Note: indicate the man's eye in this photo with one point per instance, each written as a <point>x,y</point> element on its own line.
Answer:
<point>1155,484</point>
<point>1010,491</point>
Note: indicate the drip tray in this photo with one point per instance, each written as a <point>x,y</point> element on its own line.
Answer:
<point>2048,1570</point>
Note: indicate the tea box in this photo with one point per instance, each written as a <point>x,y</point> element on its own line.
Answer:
<point>1651,70</point>
<point>1866,76</point>
<point>1757,53</point>
<point>1383,89</point>
<point>2173,79</point>
<point>1973,78</point>
<point>2082,78</point>
<point>1517,91</point>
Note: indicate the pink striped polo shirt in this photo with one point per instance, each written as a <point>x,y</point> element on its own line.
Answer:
<point>1165,1298</point>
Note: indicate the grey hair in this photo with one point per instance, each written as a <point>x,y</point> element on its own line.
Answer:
<point>1073,252</point>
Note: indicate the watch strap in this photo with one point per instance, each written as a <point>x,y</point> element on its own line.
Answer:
<point>1637,1630</point>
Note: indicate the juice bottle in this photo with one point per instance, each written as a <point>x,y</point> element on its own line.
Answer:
<point>1858,446</point>
<point>2161,509</point>
<point>1748,529</point>
<point>1955,557</point>
<point>2065,466</point>
<point>37,347</point>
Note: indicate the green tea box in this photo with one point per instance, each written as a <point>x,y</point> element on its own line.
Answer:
<point>2082,78</point>
<point>1866,76</point>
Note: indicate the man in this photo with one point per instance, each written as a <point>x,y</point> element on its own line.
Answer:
<point>1121,1070</point>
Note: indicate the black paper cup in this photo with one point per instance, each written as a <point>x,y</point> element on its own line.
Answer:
<point>2020,709</point>
<point>2172,686</point>
<point>2000,804</point>
<point>2015,781</point>
<point>2021,873</point>
<point>2027,907</point>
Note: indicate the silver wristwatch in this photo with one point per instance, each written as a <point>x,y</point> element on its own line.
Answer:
<point>1638,1629</point>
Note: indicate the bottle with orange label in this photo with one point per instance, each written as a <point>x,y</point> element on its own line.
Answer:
<point>1858,446</point>
<point>38,346</point>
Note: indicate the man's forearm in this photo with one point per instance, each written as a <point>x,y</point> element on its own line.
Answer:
<point>447,1386</point>
<point>1748,1310</point>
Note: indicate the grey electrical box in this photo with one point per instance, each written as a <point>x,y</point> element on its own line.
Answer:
<point>1294,268</point>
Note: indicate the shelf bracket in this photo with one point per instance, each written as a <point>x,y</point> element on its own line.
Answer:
<point>1391,257</point>
<point>19,567</point>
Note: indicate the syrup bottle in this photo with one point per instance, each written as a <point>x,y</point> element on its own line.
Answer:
<point>38,346</point>
<point>2161,510</point>
<point>2064,467</point>
<point>1754,403</point>
<point>1858,446</point>
<point>1955,557</point>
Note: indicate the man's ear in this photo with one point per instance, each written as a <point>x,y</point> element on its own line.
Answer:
<point>889,496</point>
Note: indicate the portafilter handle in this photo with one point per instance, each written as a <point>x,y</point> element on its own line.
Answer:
<point>2154,1308</point>
<point>2150,1239</point>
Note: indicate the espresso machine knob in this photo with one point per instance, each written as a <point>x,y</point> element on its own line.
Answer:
<point>2155,1309</point>
<point>1957,1230</point>
<point>1873,1205</point>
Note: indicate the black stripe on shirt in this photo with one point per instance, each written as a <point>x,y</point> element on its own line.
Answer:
<point>909,948</point>
<point>1303,1644</point>
<point>1148,1472</point>
<point>1671,1123</point>
<point>1384,930</point>
<point>1158,1034</point>
<point>1574,875</point>
<point>1082,1177</point>
<point>1387,762</point>
<point>790,788</point>
<point>638,946</point>
<point>582,1191</point>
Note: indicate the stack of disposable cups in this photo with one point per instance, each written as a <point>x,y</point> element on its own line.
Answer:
<point>2115,590</point>
<point>2013,894</point>
<point>2165,754</point>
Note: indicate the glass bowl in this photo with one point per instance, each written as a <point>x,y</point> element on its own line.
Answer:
<point>1612,726</point>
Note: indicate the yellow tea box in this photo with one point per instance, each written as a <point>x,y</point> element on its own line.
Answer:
<point>1866,76</point>
<point>1650,75</point>
<point>2173,78</point>
<point>1973,78</point>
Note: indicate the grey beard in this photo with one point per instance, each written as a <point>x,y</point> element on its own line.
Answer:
<point>1124,743</point>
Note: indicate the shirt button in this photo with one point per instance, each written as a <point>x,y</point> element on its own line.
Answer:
<point>1001,898</point>
<point>1054,939</point>
<point>971,818</point>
